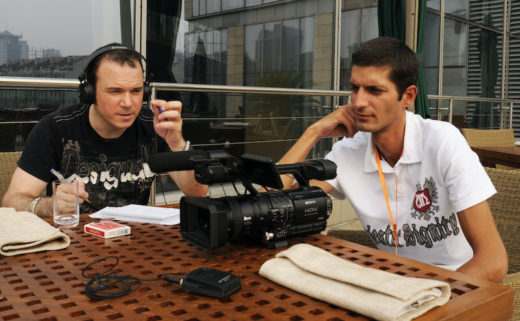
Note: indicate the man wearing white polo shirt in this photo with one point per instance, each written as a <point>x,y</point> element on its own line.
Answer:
<point>415,184</point>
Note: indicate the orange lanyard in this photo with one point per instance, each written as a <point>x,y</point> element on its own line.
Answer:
<point>383,183</point>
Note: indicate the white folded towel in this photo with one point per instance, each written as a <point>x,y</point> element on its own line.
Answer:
<point>25,232</point>
<point>374,293</point>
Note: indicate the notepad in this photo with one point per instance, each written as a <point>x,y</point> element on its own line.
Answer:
<point>140,213</point>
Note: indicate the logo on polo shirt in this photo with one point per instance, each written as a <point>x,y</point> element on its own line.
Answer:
<point>422,200</point>
<point>425,200</point>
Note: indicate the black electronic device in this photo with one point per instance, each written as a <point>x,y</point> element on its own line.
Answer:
<point>271,218</point>
<point>211,282</point>
<point>107,284</point>
<point>87,90</point>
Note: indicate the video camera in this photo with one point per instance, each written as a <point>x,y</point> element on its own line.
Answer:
<point>270,217</point>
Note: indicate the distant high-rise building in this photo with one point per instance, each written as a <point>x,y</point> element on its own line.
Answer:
<point>24,50</point>
<point>10,48</point>
<point>48,53</point>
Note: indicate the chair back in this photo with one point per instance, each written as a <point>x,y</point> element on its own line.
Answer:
<point>8,163</point>
<point>505,206</point>
<point>489,137</point>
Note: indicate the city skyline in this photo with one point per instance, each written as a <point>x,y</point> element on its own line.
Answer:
<point>39,23</point>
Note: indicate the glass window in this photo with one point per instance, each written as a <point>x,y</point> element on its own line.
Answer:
<point>253,54</point>
<point>455,72</point>
<point>307,48</point>
<point>434,4</point>
<point>457,7</point>
<point>290,48</point>
<point>431,52</point>
<point>232,4</point>
<point>272,42</point>
<point>195,7</point>
<point>212,6</point>
<point>202,6</point>
<point>455,43</point>
<point>253,2</point>
<point>369,24</point>
<point>352,36</point>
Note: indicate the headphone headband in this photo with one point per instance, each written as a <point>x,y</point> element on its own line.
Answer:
<point>87,91</point>
<point>101,51</point>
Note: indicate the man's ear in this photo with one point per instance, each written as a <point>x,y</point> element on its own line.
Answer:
<point>409,95</point>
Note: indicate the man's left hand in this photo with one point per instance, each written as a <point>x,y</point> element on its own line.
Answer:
<point>168,123</point>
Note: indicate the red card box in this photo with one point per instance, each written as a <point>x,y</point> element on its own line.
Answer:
<point>107,229</point>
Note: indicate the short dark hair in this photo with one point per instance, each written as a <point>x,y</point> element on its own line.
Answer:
<point>120,55</point>
<point>391,52</point>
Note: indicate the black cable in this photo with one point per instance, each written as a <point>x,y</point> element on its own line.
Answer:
<point>108,284</point>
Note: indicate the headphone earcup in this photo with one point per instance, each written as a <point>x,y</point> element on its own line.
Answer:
<point>87,93</point>
<point>147,91</point>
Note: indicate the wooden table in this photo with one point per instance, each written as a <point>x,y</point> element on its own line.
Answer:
<point>49,285</point>
<point>509,156</point>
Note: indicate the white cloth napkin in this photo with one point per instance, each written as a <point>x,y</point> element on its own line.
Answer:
<point>25,232</point>
<point>374,293</point>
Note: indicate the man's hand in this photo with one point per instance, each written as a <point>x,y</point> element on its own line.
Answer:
<point>65,196</point>
<point>340,122</point>
<point>168,123</point>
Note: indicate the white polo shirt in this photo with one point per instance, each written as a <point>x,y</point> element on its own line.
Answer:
<point>437,177</point>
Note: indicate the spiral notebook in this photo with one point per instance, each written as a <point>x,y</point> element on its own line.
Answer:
<point>140,213</point>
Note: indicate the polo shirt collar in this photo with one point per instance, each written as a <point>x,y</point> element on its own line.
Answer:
<point>413,149</point>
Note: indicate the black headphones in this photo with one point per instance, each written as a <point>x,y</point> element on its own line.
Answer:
<point>87,90</point>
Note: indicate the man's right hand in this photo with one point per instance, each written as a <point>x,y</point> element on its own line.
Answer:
<point>65,194</point>
<point>341,122</point>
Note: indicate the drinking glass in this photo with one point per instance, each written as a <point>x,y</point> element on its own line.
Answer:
<point>65,208</point>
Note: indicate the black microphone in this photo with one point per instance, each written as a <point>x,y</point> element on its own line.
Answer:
<point>177,161</point>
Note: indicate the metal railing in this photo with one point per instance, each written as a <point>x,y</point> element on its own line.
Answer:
<point>24,82</point>
<point>505,104</point>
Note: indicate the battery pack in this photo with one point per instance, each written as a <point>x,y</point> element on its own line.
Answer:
<point>211,282</point>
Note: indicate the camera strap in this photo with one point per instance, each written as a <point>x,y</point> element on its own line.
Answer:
<point>383,183</point>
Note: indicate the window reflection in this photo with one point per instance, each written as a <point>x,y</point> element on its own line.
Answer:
<point>455,81</point>
<point>352,36</point>
<point>434,4</point>
<point>231,4</point>
<point>457,7</point>
<point>253,54</point>
<point>275,47</point>
<point>431,52</point>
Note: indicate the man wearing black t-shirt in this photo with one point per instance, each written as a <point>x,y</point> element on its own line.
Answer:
<point>104,142</point>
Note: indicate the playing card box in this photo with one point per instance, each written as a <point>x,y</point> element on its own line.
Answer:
<point>107,229</point>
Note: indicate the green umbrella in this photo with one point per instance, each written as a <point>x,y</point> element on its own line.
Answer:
<point>488,56</point>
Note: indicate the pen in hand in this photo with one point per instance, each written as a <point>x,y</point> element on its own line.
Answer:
<point>58,175</point>
<point>63,179</point>
<point>160,110</point>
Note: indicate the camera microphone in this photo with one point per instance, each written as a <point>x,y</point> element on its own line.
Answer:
<point>176,161</point>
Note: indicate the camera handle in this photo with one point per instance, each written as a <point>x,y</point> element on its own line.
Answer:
<point>322,169</point>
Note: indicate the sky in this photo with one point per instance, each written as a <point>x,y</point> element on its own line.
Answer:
<point>75,27</point>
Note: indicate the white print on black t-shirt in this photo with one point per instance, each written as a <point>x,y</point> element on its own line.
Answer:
<point>115,173</point>
<point>100,168</point>
<point>424,235</point>
<point>115,179</point>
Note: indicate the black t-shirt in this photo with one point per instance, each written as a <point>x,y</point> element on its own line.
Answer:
<point>115,171</point>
